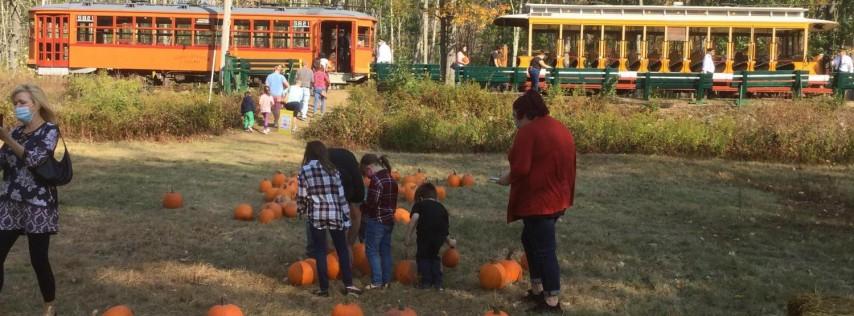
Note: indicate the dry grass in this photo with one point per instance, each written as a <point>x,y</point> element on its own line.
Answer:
<point>648,235</point>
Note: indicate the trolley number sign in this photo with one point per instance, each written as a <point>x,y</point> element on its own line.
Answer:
<point>301,24</point>
<point>84,18</point>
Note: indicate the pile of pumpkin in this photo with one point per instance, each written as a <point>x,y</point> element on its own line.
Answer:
<point>220,309</point>
<point>278,195</point>
<point>498,274</point>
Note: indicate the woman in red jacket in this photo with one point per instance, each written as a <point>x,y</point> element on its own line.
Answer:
<point>542,185</point>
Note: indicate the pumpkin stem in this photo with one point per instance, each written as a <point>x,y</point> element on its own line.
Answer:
<point>510,254</point>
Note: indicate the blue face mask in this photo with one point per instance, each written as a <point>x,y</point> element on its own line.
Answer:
<point>23,114</point>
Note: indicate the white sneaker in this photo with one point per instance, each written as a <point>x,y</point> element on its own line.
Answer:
<point>265,132</point>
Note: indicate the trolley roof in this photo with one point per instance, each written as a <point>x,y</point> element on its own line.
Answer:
<point>667,15</point>
<point>194,9</point>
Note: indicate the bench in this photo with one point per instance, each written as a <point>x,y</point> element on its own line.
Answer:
<point>842,81</point>
<point>596,79</point>
<point>385,72</point>
<point>784,81</point>
<point>492,77</point>
<point>260,68</point>
<point>696,82</point>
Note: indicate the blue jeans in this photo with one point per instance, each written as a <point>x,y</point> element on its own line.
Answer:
<point>339,238</point>
<point>318,98</point>
<point>430,271</point>
<point>306,95</point>
<point>538,239</point>
<point>535,78</point>
<point>378,250</point>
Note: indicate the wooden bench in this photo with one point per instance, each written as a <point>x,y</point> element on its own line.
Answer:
<point>696,82</point>
<point>595,79</point>
<point>385,72</point>
<point>783,81</point>
<point>492,77</point>
<point>260,68</point>
<point>842,82</point>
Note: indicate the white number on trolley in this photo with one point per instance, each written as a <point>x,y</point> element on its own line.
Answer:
<point>84,18</point>
<point>300,23</point>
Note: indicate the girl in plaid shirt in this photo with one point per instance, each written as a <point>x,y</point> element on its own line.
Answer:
<point>321,197</point>
<point>378,218</point>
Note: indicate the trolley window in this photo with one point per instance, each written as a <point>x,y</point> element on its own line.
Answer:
<point>302,34</point>
<point>261,34</point>
<point>124,32</point>
<point>241,33</point>
<point>281,34</point>
<point>144,30</point>
<point>85,29</point>
<point>183,31</point>
<point>164,31</point>
<point>364,39</point>
<point>104,30</point>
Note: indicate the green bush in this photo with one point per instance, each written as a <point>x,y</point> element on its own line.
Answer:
<point>423,116</point>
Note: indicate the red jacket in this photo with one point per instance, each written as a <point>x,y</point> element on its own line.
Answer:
<point>542,170</point>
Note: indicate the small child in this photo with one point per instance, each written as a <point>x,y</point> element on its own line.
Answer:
<point>266,102</point>
<point>378,218</point>
<point>294,101</point>
<point>247,110</point>
<point>429,219</point>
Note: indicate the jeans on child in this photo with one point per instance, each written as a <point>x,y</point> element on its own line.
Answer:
<point>318,98</point>
<point>378,250</point>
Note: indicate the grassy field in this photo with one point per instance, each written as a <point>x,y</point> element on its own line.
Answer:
<point>648,235</point>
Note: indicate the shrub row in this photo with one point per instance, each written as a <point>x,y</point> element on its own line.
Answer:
<point>422,116</point>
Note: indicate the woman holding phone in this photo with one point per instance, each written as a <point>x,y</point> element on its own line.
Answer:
<point>542,186</point>
<point>27,206</point>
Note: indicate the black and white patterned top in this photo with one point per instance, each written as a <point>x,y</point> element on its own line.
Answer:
<point>19,184</point>
<point>321,196</point>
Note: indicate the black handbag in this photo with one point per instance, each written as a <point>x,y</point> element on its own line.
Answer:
<point>52,172</point>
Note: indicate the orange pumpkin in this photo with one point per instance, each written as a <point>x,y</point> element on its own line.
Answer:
<point>333,269</point>
<point>454,180</point>
<point>495,312</point>
<point>410,196</point>
<point>243,212</point>
<point>279,179</point>
<point>524,261</point>
<point>468,180</point>
<point>492,276</point>
<point>300,273</point>
<point>275,207</point>
<point>400,310</point>
<point>404,272</point>
<point>512,268</point>
<point>266,216</point>
<point>360,259</point>
<point>118,310</point>
<point>401,215</point>
<point>440,191</point>
<point>312,263</point>
<point>264,185</point>
<point>420,177</point>
<point>451,257</point>
<point>225,310</point>
<point>347,309</point>
<point>173,199</point>
<point>290,209</point>
<point>409,179</point>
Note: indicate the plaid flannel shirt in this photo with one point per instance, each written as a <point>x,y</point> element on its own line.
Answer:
<point>382,198</point>
<point>321,197</point>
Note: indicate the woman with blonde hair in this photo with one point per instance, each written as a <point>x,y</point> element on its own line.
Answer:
<point>28,206</point>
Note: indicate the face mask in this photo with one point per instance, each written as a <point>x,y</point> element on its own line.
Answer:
<point>23,114</point>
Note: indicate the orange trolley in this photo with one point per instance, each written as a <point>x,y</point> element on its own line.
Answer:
<point>168,40</point>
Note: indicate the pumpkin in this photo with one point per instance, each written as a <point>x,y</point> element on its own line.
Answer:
<point>243,212</point>
<point>440,192</point>
<point>451,257</point>
<point>266,216</point>
<point>409,179</point>
<point>118,310</point>
<point>524,261</point>
<point>225,310</point>
<point>347,309</point>
<point>395,175</point>
<point>333,269</point>
<point>400,310</point>
<point>492,276</point>
<point>264,185</point>
<point>271,194</point>
<point>468,180</point>
<point>275,207</point>
<point>495,312</point>
<point>454,180</point>
<point>511,268</point>
<point>401,215</point>
<point>300,273</point>
<point>290,209</point>
<point>360,259</point>
<point>173,199</point>
<point>404,272</point>
<point>313,264</point>
<point>279,179</point>
<point>410,196</point>
<point>420,177</point>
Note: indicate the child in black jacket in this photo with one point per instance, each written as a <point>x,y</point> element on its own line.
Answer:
<point>247,110</point>
<point>429,220</point>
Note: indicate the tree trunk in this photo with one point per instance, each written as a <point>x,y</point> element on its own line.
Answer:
<point>425,30</point>
<point>435,29</point>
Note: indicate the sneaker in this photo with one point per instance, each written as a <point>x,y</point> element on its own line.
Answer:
<point>321,293</point>
<point>301,118</point>
<point>247,130</point>
<point>352,291</point>
<point>374,287</point>
<point>439,288</point>
<point>543,308</point>
<point>265,132</point>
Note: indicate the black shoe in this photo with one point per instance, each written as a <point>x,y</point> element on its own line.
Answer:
<point>321,293</point>
<point>423,286</point>
<point>533,298</point>
<point>543,308</point>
